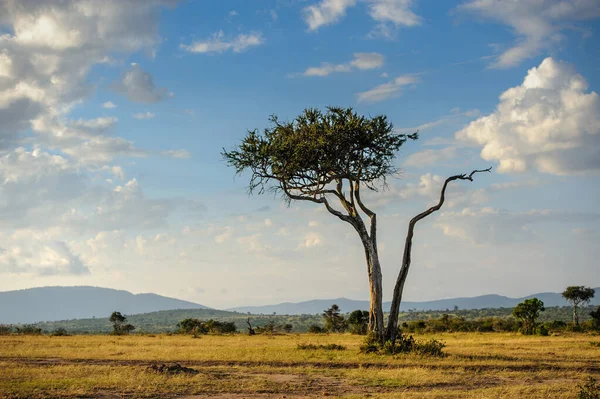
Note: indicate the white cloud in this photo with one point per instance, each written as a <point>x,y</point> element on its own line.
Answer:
<point>144,115</point>
<point>37,256</point>
<point>389,13</point>
<point>548,123</point>
<point>388,90</point>
<point>430,157</point>
<point>536,23</point>
<point>109,105</point>
<point>218,44</point>
<point>490,225</point>
<point>326,12</point>
<point>138,85</point>
<point>361,61</point>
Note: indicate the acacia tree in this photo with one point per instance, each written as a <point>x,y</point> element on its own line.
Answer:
<point>328,158</point>
<point>578,295</point>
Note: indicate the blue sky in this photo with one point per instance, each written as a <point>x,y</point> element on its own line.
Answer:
<point>113,119</point>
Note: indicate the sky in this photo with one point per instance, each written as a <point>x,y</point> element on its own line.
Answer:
<point>113,116</point>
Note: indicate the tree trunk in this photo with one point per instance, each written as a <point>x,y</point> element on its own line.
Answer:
<point>392,327</point>
<point>375,287</point>
<point>575,315</point>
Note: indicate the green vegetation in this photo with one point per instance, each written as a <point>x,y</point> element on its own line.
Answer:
<point>590,389</point>
<point>199,327</point>
<point>119,324</point>
<point>328,347</point>
<point>578,295</point>
<point>481,320</point>
<point>528,312</point>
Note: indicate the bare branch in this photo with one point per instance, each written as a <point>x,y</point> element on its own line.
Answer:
<point>406,259</point>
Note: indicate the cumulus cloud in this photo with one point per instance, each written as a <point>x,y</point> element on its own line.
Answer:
<point>109,105</point>
<point>138,85</point>
<point>49,49</point>
<point>549,123</point>
<point>39,257</point>
<point>388,90</point>
<point>217,43</point>
<point>361,61</point>
<point>537,24</point>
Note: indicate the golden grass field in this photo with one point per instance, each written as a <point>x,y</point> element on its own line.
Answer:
<point>489,365</point>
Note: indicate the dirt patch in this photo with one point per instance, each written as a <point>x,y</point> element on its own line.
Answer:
<point>582,366</point>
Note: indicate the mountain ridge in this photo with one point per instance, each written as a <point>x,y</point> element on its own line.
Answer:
<point>78,302</point>
<point>57,303</point>
<point>348,305</point>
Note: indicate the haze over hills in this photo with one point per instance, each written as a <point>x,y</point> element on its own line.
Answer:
<point>67,303</point>
<point>348,305</point>
<point>64,303</point>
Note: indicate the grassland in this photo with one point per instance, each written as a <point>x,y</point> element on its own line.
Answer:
<point>476,366</point>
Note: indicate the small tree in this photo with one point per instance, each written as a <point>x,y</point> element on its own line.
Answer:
<point>578,295</point>
<point>334,320</point>
<point>358,322</point>
<point>120,326</point>
<point>528,312</point>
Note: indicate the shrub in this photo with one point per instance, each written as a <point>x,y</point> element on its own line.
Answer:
<point>542,330</point>
<point>329,347</point>
<point>28,329</point>
<point>60,332</point>
<point>404,344</point>
<point>590,389</point>
<point>316,329</point>
<point>200,327</point>
<point>5,330</point>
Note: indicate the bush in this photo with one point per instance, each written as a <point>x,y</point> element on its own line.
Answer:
<point>60,332</point>
<point>316,329</point>
<point>404,344</point>
<point>329,347</point>
<point>200,327</point>
<point>5,330</point>
<point>28,329</point>
<point>590,389</point>
<point>541,330</point>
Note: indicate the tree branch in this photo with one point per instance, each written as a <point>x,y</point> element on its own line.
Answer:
<point>319,200</point>
<point>406,259</point>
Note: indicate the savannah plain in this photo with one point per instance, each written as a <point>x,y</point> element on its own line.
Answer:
<point>476,365</point>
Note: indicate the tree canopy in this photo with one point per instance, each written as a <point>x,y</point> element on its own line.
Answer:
<point>303,156</point>
<point>528,312</point>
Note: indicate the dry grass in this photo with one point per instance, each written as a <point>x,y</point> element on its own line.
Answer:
<point>477,366</point>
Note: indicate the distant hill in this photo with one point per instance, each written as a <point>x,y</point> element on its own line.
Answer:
<point>348,305</point>
<point>64,303</point>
